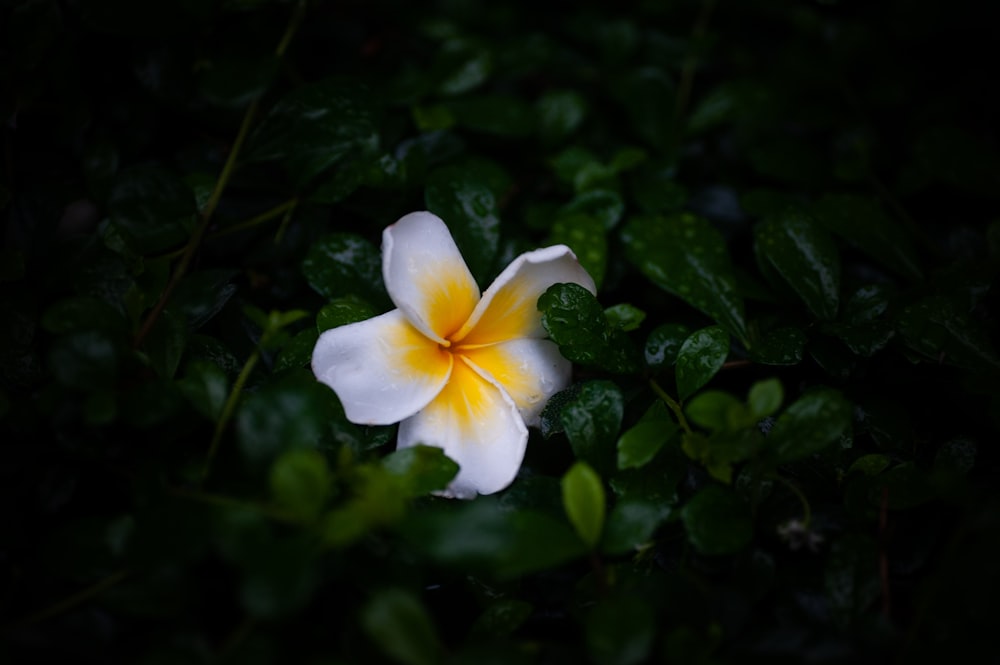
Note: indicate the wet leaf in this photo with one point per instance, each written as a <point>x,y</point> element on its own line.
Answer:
<point>684,255</point>
<point>806,257</point>
<point>701,355</point>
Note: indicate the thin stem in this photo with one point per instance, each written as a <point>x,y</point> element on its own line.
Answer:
<point>285,209</point>
<point>600,574</point>
<point>690,64</point>
<point>230,502</point>
<point>672,404</point>
<point>284,223</point>
<point>227,411</point>
<point>806,510</point>
<point>240,633</point>
<point>205,215</point>
<point>733,364</point>
<point>293,25</point>
<point>69,603</point>
<point>199,230</point>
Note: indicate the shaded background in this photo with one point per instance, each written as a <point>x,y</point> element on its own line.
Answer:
<point>127,272</point>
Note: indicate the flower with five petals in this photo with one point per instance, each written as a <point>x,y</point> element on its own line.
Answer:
<point>463,371</point>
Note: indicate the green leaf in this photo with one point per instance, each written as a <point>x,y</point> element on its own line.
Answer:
<point>342,264</point>
<point>575,321</point>
<point>870,465</point>
<point>585,236</point>
<point>501,618</point>
<point>482,536</point>
<point>496,114</point>
<point>656,481</point>
<point>717,521</point>
<point>82,313</point>
<point>298,351</point>
<point>863,327</point>
<point>399,625</point>
<point>701,355</point>
<point>421,469</point>
<point>937,328</point>
<point>464,199</point>
<point>584,502</point>
<point>806,257</point>
<point>765,398</point>
<point>851,577</point>
<point>620,631</point>
<point>863,222</point>
<point>165,344</point>
<point>342,311</point>
<point>237,80</point>
<point>300,482</point>
<point>684,255</point>
<point>664,343</point>
<point>592,419</point>
<point>604,205</point>
<point>907,485</point>
<point>206,386</point>
<point>640,443</point>
<point>550,420</point>
<point>292,412</point>
<point>810,424</point>
<point>315,127</point>
<point>645,93</point>
<point>779,346</point>
<point>631,524</point>
<point>625,316</point>
<point>462,65</point>
<point>559,113</point>
<point>85,360</point>
<point>655,188</point>
<point>718,411</point>
<point>151,209</point>
<point>201,295</point>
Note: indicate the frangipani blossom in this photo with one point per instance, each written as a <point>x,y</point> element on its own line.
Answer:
<point>458,370</point>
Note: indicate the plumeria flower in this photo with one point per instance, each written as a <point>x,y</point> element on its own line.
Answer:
<point>463,371</point>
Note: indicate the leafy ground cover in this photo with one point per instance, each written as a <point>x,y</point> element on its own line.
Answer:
<point>779,444</point>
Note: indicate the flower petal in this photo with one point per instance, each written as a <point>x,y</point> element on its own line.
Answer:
<point>426,276</point>
<point>509,309</point>
<point>530,371</point>
<point>383,370</point>
<point>476,424</point>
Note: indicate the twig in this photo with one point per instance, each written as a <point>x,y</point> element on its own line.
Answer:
<point>690,64</point>
<point>69,603</point>
<point>205,215</point>
<point>672,404</point>
<point>227,412</point>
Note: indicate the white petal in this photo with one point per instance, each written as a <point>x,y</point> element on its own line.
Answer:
<point>426,276</point>
<point>509,309</point>
<point>530,371</point>
<point>476,424</point>
<point>383,370</point>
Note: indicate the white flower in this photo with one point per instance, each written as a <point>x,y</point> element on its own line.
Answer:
<point>456,370</point>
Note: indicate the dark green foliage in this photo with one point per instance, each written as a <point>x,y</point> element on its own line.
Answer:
<point>779,444</point>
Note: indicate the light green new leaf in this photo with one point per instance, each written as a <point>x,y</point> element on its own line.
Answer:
<point>584,502</point>
<point>640,443</point>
